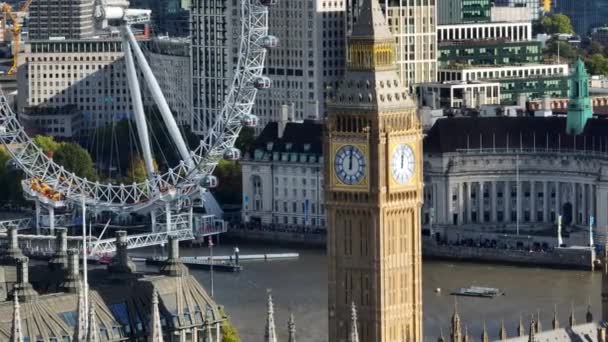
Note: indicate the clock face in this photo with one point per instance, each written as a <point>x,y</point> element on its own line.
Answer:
<point>402,163</point>
<point>350,164</point>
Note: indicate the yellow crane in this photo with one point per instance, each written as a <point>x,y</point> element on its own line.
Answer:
<point>6,8</point>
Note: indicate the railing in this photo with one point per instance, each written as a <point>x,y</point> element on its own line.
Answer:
<point>139,241</point>
<point>539,149</point>
<point>18,223</point>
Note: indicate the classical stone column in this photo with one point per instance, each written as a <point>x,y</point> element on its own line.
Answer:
<point>507,199</point>
<point>546,199</point>
<point>574,204</point>
<point>493,208</point>
<point>558,200</point>
<point>461,209</point>
<point>480,202</point>
<point>584,198</point>
<point>533,199</point>
<point>468,202</point>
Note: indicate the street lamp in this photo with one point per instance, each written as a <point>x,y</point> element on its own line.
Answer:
<point>211,261</point>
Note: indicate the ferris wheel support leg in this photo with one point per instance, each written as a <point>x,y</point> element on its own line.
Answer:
<point>159,98</point>
<point>168,216</point>
<point>138,107</point>
<point>153,221</point>
<point>37,217</point>
<point>51,220</point>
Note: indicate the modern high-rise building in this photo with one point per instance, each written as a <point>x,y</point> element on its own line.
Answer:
<point>169,17</point>
<point>585,14</point>
<point>414,25</point>
<point>308,62</point>
<point>463,11</point>
<point>87,73</point>
<point>69,19</point>
<point>534,5</point>
<point>212,48</point>
<point>373,182</point>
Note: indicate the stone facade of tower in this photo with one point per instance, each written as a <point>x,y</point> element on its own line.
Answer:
<point>373,149</point>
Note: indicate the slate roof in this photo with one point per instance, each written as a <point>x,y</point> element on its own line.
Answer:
<point>451,134</point>
<point>582,332</point>
<point>305,137</point>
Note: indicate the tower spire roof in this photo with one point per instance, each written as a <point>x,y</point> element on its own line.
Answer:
<point>291,325</point>
<point>502,333</point>
<point>371,23</point>
<point>93,333</point>
<point>270,334</point>
<point>156,332</point>
<point>16,332</point>
<point>354,332</point>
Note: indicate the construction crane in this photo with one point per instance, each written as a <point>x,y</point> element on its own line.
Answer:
<point>6,8</point>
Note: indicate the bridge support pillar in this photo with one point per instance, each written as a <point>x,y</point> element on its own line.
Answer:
<point>51,221</point>
<point>37,222</point>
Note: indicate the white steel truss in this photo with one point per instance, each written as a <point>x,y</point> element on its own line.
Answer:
<point>182,180</point>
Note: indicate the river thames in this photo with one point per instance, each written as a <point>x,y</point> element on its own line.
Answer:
<point>300,286</point>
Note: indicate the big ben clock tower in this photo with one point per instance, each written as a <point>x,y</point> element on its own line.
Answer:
<point>373,175</point>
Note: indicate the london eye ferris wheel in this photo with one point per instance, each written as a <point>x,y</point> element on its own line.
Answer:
<point>53,186</point>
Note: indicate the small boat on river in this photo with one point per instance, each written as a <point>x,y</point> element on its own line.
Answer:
<point>477,291</point>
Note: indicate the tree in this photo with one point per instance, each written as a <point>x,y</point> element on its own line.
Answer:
<point>557,23</point>
<point>229,190</point>
<point>75,159</point>
<point>597,64</point>
<point>229,332</point>
<point>245,139</point>
<point>47,144</point>
<point>137,170</point>
<point>10,180</point>
<point>566,50</point>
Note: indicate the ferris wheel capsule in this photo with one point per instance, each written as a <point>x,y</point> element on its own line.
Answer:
<point>270,42</point>
<point>209,182</point>
<point>232,154</point>
<point>250,121</point>
<point>269,2</point>
<point>262,82</point>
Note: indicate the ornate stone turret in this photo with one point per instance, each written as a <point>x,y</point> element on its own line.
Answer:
<point>93,331</point>
<point>555,321</point>
<point>291,327</point>
<point>270,334</point>
<point>23,289</point>
<point>59,261</point>
<point>571,319</point>
<point>589,315</point>
<point>579,105</point>
<point>520,328</point>
<point>440,338</point>
<point>121,264</point>
<point>502,333</point>
<point>466,334</point>
<point>354,331</point>
<point>531,332</point>
<point>156,330</point>
<point>484,333</point>
<point>13,252</point>
<point>16,332</point>
<point>537,326</point>
<point>71,282</point>
<point>173,266</point>
<point>81,329</point>
<point>601,334</point>
<point>456,333</point>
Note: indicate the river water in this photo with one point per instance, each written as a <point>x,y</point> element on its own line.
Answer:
<point>300,286</point>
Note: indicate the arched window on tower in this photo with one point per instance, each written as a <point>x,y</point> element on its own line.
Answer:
<point>256,182</point>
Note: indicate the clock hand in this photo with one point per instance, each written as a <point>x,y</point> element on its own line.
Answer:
<point>402,161</point>
<point>350,160</point>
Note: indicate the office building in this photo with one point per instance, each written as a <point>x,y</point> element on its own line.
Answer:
<point>169,17</point>
<point>533,5</point>
<point>489,52</point>
<point>67,19</point>
<point>506,14</point>
<point>308,62</point>
<point>463,11</point>
<point>87,73</point>
<point>530,81</point>
<point>516,31</point>
<point>169,59</point>
<point>458,94</point>
<point>584,14</point>
<point>212,48</point>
